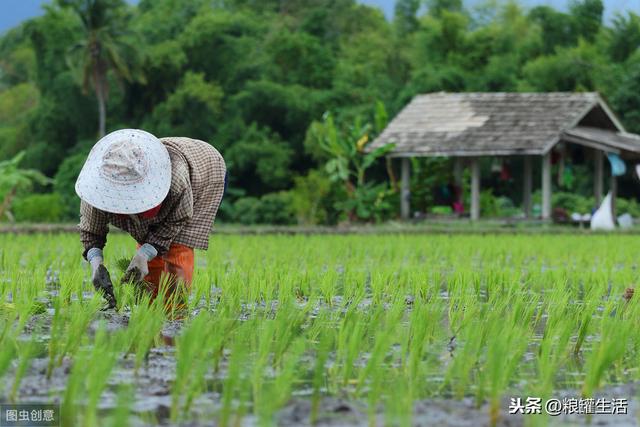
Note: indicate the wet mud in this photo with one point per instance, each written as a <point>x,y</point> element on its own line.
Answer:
<point>151,387</point>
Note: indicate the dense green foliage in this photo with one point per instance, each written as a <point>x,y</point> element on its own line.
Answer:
<point>252,77</point>
<point>384,323</point>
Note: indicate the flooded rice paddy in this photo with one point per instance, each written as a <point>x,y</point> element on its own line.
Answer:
<point>329,330</point>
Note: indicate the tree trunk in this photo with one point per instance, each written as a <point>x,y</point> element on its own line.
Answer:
<point>99,70</point>
<point>102,113</point>
<point>6,204</point>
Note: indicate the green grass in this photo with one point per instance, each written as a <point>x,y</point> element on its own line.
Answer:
<point>382,319</point>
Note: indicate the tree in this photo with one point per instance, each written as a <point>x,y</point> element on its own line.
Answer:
<point>404,17</point>
<point>436,7</point>
<point>625,36</point>
<point>556,27</point>
<point>625,99</point>
<point>587,17</point>
<point>104,47</point>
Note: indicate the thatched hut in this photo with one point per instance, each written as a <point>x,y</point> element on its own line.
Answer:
<point>469,126</point>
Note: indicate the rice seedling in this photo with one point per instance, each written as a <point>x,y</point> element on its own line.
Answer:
<point>379,321</point>
<point>26,351</point>
<point>193,347</point>
<point>609,349</point>
<point>100,361</point>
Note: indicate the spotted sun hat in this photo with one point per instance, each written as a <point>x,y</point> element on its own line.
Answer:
<point>127,172</point>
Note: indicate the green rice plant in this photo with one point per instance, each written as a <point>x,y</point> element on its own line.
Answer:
<point>506,345</point>
<point>26,351</point>
<point>193,349</point>
<point>398,410</point>
<point>384,333</point>
<point>288,324</point>
<point>145,324</point>
<point>69,409</point>
<point>351,336</point>
<point>323,349</point>
<point>326,285</point>
<point>552,351</point>
<point>80,315</point>
<point>424,332</point>
<point>388,320</point>
<point>263,345</point>
<point>120,415</point>
<point>233,382</point>
<point>459,371</point>
<point>8,350</point>
<point>609,349</point>
<point>384,337</point>
<point>281,387</point>
<point>584,313</point>
<point>98,365</point>
<point>57,331</point>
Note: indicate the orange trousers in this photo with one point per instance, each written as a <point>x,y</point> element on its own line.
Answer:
<point>174,270</point>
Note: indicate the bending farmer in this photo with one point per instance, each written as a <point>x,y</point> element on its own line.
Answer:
<point>164,192</point>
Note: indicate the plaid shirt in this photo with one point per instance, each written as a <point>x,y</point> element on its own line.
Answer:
<point>187,214</point>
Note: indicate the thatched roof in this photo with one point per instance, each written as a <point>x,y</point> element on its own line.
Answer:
<point>482,124</point>
<point>616,142</point>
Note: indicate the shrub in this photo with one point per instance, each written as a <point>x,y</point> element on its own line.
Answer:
<point>488,204</point>
<point>64,183</point>
<point>442,210</point>
<point>275,208</point>
<point>39,208</point>
<point>309,197</point>
<point>628,206</point>
<point>245,210</point>
<point>369,202</point>
<point>272,208</point>
<point>573,202</point>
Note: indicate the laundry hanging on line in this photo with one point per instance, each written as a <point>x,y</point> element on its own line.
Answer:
<point>617,164</point>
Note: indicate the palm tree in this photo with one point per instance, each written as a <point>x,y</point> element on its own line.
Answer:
<point>104,46</point>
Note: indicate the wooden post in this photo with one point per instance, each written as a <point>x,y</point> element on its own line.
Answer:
<point>405,194</point>
<point>475,189</point>
<point>546,186</point>
<point>527,186</point>
<point>613,187</point>
<point>457,171</point>
<point>598,176</point>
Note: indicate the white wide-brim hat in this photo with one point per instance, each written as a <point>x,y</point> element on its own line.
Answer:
<point>127,172</point>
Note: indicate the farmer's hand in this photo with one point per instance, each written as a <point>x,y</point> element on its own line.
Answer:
<point>100,276</point>
<point>138,267</point>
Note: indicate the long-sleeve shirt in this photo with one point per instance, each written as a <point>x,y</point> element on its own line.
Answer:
<point>186,214</point>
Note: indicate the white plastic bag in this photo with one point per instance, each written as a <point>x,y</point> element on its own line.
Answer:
<point>625,221</point>
<point>602,219</point>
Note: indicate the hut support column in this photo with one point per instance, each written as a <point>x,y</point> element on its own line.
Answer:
<point>475,189</point>
<point>457,171</point>
<point>405,192</point>
<point>598,176</point>
<point>527,186</point>
<point>613,187</point>
<point>546,186</point>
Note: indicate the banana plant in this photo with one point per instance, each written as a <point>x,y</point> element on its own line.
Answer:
<point>14,179</point>
<point>349,160</point>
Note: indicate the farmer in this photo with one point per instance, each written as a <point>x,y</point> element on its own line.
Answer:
<point>164,192</point>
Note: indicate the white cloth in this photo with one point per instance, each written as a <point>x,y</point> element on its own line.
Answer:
<point>602,219</point>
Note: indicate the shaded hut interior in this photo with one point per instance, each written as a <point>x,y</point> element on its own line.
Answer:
<point>530,134</point>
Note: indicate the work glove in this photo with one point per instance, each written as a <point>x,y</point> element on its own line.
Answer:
<point>139,265</point>
<point>100,276</point>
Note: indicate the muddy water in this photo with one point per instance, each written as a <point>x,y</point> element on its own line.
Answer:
<point>151,386</point>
